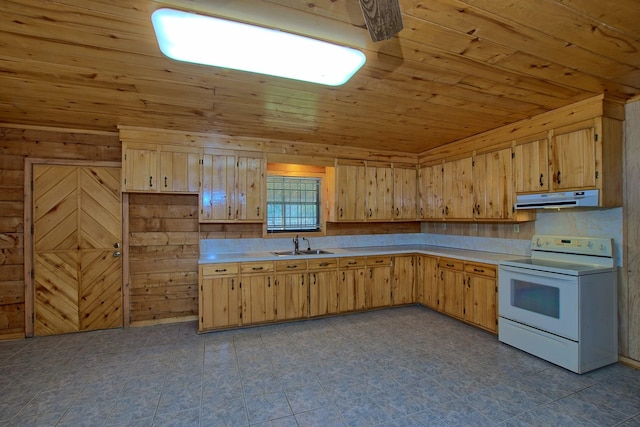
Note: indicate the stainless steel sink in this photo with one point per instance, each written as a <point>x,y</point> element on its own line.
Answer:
<point>302,252</point>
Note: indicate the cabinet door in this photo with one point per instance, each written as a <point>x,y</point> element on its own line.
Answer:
<point>531,166</point>
<point>379,204</point>
<point>250,202</point>
<point>458,189</point>
<point>140,168</point>
<point>218,187</point>
<point>379,286</point>
<point>574,160</point>
<point>403,280</point>
<point>405,193</point>
<point>427,282</point>
<point>480,301</point>
<point>179,169</point>
<point>292,295</point>
<point>351,290</point>
<point>258,299</point>
<point>219,302</point>
<point>350,192</point>
<point>323,292</point>
<point>453,288</point>
<point>430,192</point>
<point>493,185</point>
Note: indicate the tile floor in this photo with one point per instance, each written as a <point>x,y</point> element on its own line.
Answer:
<point>396,367</point>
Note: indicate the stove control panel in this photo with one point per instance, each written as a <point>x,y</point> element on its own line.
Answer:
<point>573,245</point>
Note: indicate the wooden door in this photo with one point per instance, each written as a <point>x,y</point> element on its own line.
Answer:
<point>405,192</point>
<point>219,302</point>
<point>430,192</point>
<point>292,295</point>
<point>574,160</point>
<point>77,230</point>
<point>179,169</point>
<point>403,280</point>
<point>379,282</point>
<point>531,166</point>
<point>493,185</point>
<point>457,186</point>
<point>250,203</point>
<point>350,192</point>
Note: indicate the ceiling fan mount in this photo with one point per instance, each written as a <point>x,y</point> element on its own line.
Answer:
<point>382,17</point>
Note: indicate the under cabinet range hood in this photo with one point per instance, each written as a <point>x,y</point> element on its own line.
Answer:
<point>565,199</point>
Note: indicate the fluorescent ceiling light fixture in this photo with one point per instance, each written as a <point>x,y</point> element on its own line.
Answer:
<point>212,41</point>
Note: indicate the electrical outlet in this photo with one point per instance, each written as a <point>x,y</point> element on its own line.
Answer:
<point>474,227</point>
<point>516,228</point>
<point>444,226</point>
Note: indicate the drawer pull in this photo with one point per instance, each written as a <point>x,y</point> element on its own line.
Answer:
<point>479,270</point>
<point>324,264</point>
<point>257,268</point>
<point>221,270</point>
<point>352,262</point>
<point>379,261</point>
<point>450,265</point>
<point>292,266</point>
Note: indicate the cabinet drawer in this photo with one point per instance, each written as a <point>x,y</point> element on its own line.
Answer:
<point>378,260</point>
<point>291,265</point>
<point>453,264</point>
<point>220,269</point>
<point>256,267</point>
<point>480,269</point>
<point>323,263</point>
<point>351,262</point>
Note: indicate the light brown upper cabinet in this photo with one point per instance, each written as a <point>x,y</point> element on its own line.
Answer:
<point>430,192</point>
<point>405,192</point>
<point>531,165</point>
<point>152,168</point>
<point>493,185</point>
<point>457,185</point>
<point>233,186</point>
<point>581,156</point>
<point>350,190</point>
<point>379,181</point>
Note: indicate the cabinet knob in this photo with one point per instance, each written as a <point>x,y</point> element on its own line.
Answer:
<point>116,254</point>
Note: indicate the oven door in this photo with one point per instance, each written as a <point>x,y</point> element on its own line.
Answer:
<point>540,299</point>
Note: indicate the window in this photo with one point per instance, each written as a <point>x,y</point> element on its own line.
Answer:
<point>293,204</point>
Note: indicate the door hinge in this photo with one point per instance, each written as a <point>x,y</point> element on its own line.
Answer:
<point>32,229</point>
<point>33,273</point>
<point>596,137</point>
<point>125,156</point>
<point>513,155</point>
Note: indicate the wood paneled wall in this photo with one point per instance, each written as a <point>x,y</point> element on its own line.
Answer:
<point>164,249</point>
<point>17,143</point>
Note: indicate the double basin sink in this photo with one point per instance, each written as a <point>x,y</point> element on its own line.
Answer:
<point>302,252</point>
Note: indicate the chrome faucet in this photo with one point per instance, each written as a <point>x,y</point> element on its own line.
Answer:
<point>295,243</point>
<point>308,243</point>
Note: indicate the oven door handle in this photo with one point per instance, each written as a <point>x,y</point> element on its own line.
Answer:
<point>537,273</point>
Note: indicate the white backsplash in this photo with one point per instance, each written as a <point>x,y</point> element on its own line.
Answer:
<point>571,222</point>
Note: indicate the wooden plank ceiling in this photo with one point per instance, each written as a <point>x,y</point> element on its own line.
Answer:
<point>459,67</point>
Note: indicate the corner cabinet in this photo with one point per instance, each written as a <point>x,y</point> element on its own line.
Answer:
<point>233,186</point>
<point>430,193</point>
<point>153,168</point>
<point>405,192</point>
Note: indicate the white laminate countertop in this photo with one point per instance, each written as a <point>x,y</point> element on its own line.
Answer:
<point>464,254</point>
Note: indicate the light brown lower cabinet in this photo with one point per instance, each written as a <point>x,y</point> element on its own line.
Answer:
<point>219,298</point>
<point>258,292</point>
<point>242,294</point>
<point>351,284</point>
<point>452,277</point>
<point>378,281</point>
<point>480,297</point>
<point>323,286</point>
<point>292,290</point>
<point>404,271</point>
